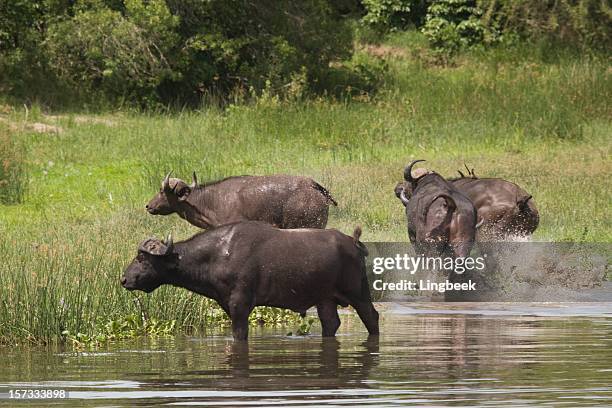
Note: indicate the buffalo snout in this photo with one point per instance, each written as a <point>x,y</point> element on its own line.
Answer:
<point>128,284</point>
<point>160,205</point>
<point>150,210</point>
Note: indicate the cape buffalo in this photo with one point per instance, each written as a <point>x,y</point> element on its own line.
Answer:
<point>281,200</point>
<point>504,207</point>
<point>441,220</point>
<point>248,264</point>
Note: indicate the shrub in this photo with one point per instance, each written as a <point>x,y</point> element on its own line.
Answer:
<point>361,76</point>
<point>388,15</point>
<point>170,50</point>
<point>586,23</point>
<point>453,24</point>
<point>13,177</point>
<point>229,45</point>
<point>122,55</point>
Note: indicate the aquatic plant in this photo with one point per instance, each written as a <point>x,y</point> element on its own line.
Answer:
<point>124,327</point>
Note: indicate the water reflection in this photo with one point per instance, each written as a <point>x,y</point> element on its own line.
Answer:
<point>427,359</point>
<point>310,364</point>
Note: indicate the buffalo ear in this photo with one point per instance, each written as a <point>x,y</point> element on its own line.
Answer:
<point>441,228</point>
<point>183,193</point>
<point>156,247</point>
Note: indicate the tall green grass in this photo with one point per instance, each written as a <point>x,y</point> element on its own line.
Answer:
<point>543,125</point>
<point>13,176</point>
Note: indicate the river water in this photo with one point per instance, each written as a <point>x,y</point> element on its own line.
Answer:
<point>428,354</point>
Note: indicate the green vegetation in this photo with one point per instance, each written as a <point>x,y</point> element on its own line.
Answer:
<point>125,327</point>
<point>154,53</point>
<point>135,325</point>
<point>150,52</point>
<point>13,178</point>
<point>451,25</point>
<point>304,328</point>
<point>73,183</point>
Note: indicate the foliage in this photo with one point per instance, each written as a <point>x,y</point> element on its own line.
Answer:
<point>272,316</point>
<point>123,56</point>
<point>155,53</point>
<point>148,51</point>
<point>453,24</point>
<point>21,22</point>
<point>304,328</point>
<point>13,174</point>
<point>125,327</point>
<point>241,46</point>
<point>584,23</point>
<point>385,15</point>
<point>360,77</point>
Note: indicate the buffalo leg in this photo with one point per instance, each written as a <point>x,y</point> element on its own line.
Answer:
<point>328,314</point>
<point>240,321</point>
<point>368,315</point>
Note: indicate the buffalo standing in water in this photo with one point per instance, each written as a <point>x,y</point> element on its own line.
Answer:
<point>250,264</point>
<point>505,208</point>
<point>281,200</point>
<point>441,220</point>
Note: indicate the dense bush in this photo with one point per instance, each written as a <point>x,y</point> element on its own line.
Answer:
<point>583,23</point>
<point>241,46</point>
<point>162,51</point>
<point>169,50</point>
<point>122,55</point>
<point>453,24</point>
<point>389,15</point>
<point>21,22</point>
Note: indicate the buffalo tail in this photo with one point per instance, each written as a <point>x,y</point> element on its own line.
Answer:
<point>325,193</point>
<point>356,235</point>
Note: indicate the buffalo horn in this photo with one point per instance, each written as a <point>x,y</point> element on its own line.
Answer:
<point>408,171</point>
<point>166,182</point>
<point>169,243</point>
<point>403,197</point>
<point>194,182</point>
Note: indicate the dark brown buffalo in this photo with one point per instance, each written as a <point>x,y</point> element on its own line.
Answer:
<point>248,264</point>
<point>504,207</point>
<point>281,200</point>
<point>507,209</point>
<point>441,220</point>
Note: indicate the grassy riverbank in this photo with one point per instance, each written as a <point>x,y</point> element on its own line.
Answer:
<point>542,122</point>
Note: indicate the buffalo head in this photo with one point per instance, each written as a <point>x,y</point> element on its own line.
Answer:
<point>151,266</point>
<point>403,190</point>
<point>441,220</point>
<point>172,196</point>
